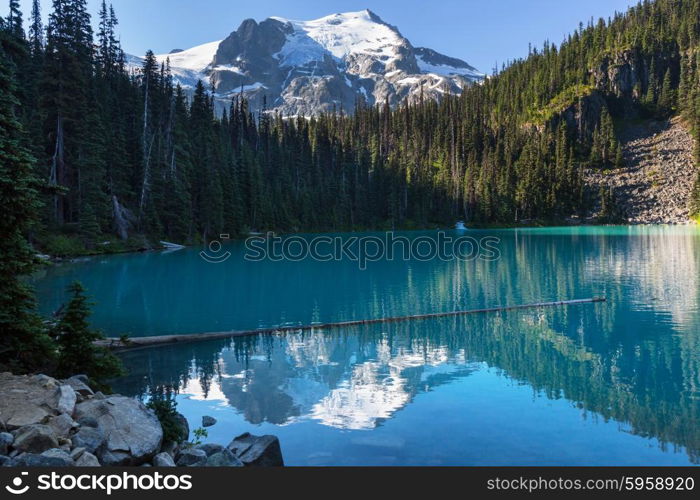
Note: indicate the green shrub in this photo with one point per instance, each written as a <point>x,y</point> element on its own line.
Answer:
<point>559,103</point>
<point>61,245</point>
<point>165,408</point>
<point>199,434</point>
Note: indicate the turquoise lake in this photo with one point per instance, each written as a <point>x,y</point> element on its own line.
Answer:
<point>612,383</point>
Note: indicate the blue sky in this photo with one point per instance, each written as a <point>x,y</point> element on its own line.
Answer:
<point>478,31</point>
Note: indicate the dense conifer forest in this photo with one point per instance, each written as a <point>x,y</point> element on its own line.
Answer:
<point>119,155</point>
<point>96,158</point>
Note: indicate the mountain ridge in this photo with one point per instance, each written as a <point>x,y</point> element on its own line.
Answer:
<point>307,67</point>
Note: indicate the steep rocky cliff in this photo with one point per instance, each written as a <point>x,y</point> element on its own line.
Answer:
<point>626,75</point>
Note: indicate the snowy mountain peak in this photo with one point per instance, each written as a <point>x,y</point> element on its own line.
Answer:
<point>307,67</point>
<point>344,34</point>
<point>365,15</point>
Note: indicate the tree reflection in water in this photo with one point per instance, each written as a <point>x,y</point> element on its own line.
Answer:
<point>359,377</point>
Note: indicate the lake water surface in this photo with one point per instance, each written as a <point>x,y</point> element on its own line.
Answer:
<point>612,383</point>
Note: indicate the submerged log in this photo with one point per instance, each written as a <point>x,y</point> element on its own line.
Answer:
<point>140,342</point>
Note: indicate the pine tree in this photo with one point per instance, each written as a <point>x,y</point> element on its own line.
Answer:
<point>116,53</point>
<point>77,352</point>
<point>14,20</point>
<point>109,54</point>
<point>177,216</point>
<point>66,88</point>
<point>651,94</point>
<point>619,159</point>
<point>36,29</point>
<point>24,346</point>
<point>104,36</point>
<point>33,74</point>
<point>89,226</point>
<point>667,97</point>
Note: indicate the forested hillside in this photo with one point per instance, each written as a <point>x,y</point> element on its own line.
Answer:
<point>120,155</point>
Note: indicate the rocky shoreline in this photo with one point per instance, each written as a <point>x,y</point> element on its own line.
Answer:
<point>45,422</point>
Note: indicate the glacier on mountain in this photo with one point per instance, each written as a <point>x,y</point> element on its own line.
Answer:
<point>307,67</point>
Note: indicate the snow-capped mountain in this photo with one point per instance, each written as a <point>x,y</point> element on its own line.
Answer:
<point>306,67</point>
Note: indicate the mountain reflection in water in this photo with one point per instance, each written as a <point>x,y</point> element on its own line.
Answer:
<point>359,378</point>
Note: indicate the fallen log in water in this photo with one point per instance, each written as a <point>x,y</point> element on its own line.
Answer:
<point>171,246</point>
<point>139,342</point>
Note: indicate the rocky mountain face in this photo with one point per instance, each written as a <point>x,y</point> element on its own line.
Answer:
<point>307,67</point>
<point>625,76</point>
<point>655,185</point>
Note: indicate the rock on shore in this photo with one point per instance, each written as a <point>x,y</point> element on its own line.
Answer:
<point>45,422</point>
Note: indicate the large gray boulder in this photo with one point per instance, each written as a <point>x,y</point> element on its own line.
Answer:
<point>211,448</point>
<point>79,385</point>
<point>62,425</point>
<point>116,458</point>
<point>87,459</point>
<point>24,415</point>
<point>89,438</point>
<point>27,400</point>
<point>65,399</point>
<point>257,451</point>
<point>34,460</point>
<point>86,421</point>
<point>183,426</point>
<point>59,454</point>
<point>163,460</point>
<point>223,458</point>
<point>132,431</point>
<point>6,440</point>
<point>21,400</point>
<point>170,448</point>
<point>35,438</point>
<point>192,457</point>
<point>208,421</point>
